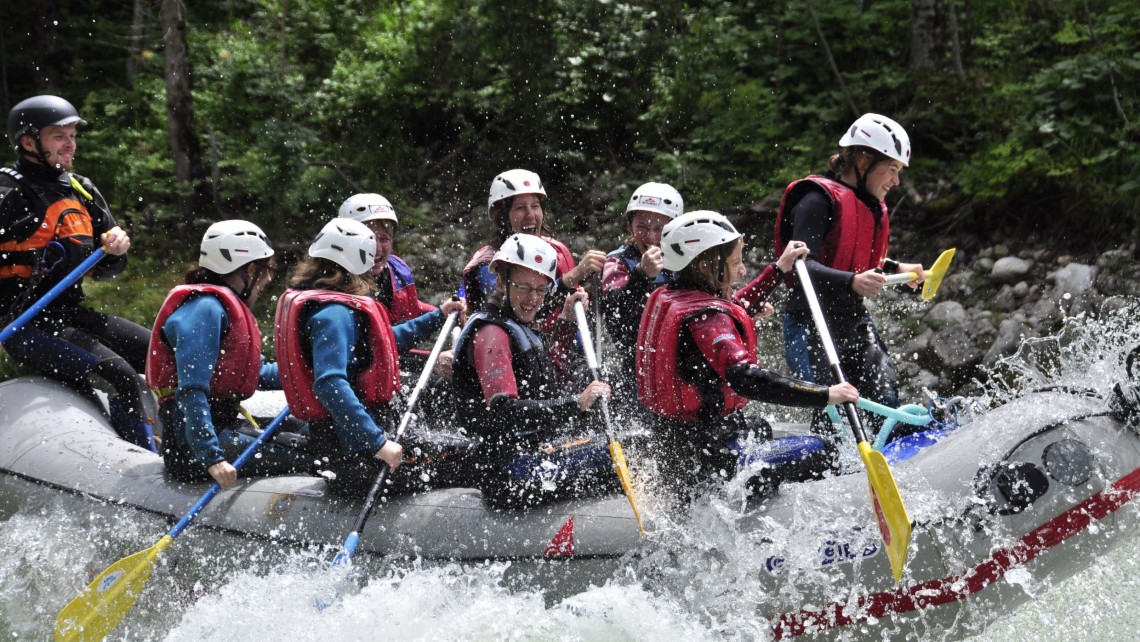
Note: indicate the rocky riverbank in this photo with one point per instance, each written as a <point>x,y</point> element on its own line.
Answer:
<point>997,292</point>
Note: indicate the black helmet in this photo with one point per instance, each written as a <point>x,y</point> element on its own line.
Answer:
<point>37,112</point>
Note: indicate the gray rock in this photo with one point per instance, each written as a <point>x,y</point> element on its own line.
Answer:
<point>984,265</point>
<point>954,348</point>
<point>946,312</point>
<point>1073,288</point>
<point>1010,334</point>
<point>1010,269</point>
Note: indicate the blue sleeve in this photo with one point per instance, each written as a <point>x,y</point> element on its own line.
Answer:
<point>333,336</point>
<point>268,377</point>
<point>411,332</point>
<point>194,330</point>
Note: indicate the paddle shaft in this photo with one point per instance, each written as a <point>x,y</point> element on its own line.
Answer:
<point>592,360</point>
<point>828,345</point>
<point>216,488</point>
<point>349,548</point>
<point>51,294</point>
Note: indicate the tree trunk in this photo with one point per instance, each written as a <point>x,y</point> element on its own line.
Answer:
<point>193,189</point>
<point>135,42</point>
<point>925,36</point>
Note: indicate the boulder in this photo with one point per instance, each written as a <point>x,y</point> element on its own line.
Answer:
<point>1010,269</point>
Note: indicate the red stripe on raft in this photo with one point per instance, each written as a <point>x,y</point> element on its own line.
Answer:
<point>959,587</point>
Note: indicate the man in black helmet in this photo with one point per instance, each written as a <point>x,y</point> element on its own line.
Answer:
<point>50,221</point>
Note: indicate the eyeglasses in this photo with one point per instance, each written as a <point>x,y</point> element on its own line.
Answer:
<point>527,290</point>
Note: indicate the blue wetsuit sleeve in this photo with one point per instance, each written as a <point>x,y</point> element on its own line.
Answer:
<point>411,332</point>
<point>267,376</point>
<point>194,330</point>
<point>333,335</point>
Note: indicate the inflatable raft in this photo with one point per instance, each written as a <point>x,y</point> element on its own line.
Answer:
<point>1031,491</point>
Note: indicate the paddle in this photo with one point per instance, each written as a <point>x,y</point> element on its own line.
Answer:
<point>894,523</point>
<point>108,599</point>
<point>616,452</point>
<point>933,275</point>
<point>51,294</point>
<point>348,549</point>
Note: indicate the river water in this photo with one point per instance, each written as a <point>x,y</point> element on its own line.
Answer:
<point>211,586</point>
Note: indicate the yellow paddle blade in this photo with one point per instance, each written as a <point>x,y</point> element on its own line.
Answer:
<point>622,468</point>
<point>890,513</point>
<point>935,273</point>
<point>106,601</point>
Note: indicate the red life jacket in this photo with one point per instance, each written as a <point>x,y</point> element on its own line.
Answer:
<point>853,244</point>
<point>406,304</point>
<point>660,385</point>
<point>374,384</point>
<point>239,355</point>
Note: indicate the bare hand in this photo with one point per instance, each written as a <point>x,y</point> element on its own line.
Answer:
<point>842,393</point>
<point>116,242</point>
<point>795,250</point>
<point>223,473</point>
<point>391,453</point>
<point>590,263</point>
<point>764,311</point>
<point>443,363</point>
<point>652,262</point>
<point>455,304</point>
<point>568,306</point>
<point>868,283</point>
<point>596,390</point>
<point>917,269</point>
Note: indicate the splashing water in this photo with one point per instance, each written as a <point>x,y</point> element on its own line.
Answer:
<point>698,579</point>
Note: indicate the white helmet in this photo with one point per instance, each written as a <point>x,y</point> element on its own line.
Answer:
<point>880,134</point>
<point>228,245</point>
<point>656,197</point>
<point>368,207</point>
<point>348,243</point>
<point>685,237</point>
<point>513,182</point>
<point>528,251</point>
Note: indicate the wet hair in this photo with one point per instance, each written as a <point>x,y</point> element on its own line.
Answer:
<point>501,220</point>
<point>708,271</point>
<point>314,273</point>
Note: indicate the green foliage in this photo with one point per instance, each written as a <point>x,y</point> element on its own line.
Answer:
<point>299,104</point>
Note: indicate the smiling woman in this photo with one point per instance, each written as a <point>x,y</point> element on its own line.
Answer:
<point>517,205</point>
<point>513,391</point>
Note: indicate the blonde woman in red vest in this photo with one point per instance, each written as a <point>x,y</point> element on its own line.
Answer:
<point>205,358</point>
<point>842,218</point>
<point>696,352</point>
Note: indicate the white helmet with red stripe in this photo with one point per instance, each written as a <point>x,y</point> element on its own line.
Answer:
<point>514,182</point>
<point>659,198</point>
<point>228,245</point>
<point>685,237</point>
<point>528,251</point>
<point>880,134</point>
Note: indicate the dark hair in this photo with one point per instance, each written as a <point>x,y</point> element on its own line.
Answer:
<point>849,156</point>
<point>706,272</point>
<point>199,274</point>
<point>314,273</point>
<point>500,214</point>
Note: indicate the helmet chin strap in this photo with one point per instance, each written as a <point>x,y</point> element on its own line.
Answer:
<point>38,156</point>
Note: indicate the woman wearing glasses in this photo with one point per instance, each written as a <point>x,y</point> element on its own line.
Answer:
<point>205,358</point>
<point>517,205</point>
<point>511,385</point>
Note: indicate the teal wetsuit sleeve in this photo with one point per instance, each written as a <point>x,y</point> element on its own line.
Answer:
<point>411,332</point>
<point>194,330</point>
<point>332,334</point>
